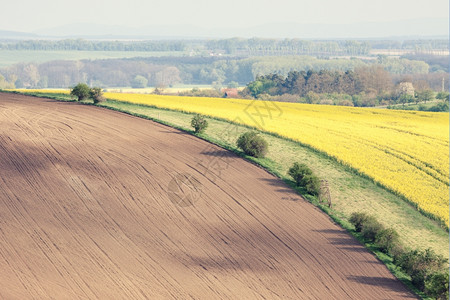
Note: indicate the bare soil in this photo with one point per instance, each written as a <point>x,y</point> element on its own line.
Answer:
<point>98,204</point>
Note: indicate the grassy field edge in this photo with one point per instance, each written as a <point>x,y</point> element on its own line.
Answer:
<point>265,164</point>
<point>317,151</point>
<point>347,167</point>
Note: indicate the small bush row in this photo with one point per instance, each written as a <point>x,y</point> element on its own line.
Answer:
<point>373,231</point>
<point>251,143</point>
<point>426,268</point>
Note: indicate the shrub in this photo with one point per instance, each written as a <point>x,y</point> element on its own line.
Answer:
<point>420,265</point>
<point>440,107</point>
<point>371,228</point>
<point>425,268</point>
<point>304,177</point>
<point>346,103</point>
<point>312,97</point>
<point>298,171</point>
<point>396,251</point>
<point>442,96</point>
<point>312,184</point>
<point>326,102</point>
<point>387,240</point>
<point>199,123</point>
<point>436,285</point>
<point>96,94</point>
<point>253,144</point>
<point>407,261</point>
<point>358,219</point>
<point>81,91</point>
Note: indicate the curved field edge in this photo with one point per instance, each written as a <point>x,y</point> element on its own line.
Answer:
<point>350,190</point>
<point>348,166</point>
<point>273,167</point>
<point>394,171</point>
<point>181,121</point>
<point>53,94</point>
<point>343,180</point>
<point>82,115</point>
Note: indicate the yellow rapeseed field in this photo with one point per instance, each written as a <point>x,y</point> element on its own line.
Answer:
<point>408,152</point>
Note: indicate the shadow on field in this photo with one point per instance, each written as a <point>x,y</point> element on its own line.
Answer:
<point>330,231</point>
<point>389,283</point>
<point>18,158</point>
<point>219,153</point>
<point>356,248</point>
<point>177,132</point>
<point>256,248</point>
<point>283,188</point>
<point>341,238</point>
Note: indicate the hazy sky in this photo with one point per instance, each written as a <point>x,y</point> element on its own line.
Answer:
<point>31,15</point>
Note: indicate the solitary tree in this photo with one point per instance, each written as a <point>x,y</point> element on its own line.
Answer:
<point>199,123</point>
<point>81,91</point>
<point>253,144</point>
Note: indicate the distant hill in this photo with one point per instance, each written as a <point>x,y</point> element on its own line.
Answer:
<point>438,27</point>
<point>16,35</point>
<point>407,29</point>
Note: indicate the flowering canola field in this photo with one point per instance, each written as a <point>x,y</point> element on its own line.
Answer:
<point>408,152</point>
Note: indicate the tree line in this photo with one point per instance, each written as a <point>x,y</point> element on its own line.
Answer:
<point>410,44</point>
<point>88,45</point>
<point>374,78</point>
<point>260,46</point>
<point>211,70</point>
<point>233,46</point>
<point>363,86</point>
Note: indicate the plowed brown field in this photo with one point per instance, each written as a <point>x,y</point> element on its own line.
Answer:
<point>89,209</point>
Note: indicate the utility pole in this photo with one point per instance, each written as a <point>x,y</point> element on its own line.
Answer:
<point>443,84</point>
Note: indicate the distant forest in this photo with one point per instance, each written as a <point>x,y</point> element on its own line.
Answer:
<point>220,62</point>
<point>232,46</point>
<point>363,87</point>
<point>167,71</point>
<point>87,45</point>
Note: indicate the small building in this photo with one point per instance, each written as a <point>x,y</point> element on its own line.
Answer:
<point>230,93</point>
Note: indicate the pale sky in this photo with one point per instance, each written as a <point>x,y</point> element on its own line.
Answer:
<point>32,15</point>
